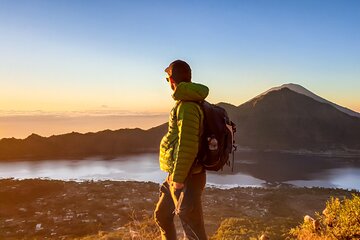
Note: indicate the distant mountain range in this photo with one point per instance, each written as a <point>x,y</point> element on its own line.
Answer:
<point>292,118</point>
<point>288,117</point>
<point>107,143</point>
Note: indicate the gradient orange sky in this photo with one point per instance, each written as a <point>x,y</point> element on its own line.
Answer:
<point>62,57</point>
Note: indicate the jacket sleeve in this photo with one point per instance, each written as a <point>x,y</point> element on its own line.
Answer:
<point>188,121</point>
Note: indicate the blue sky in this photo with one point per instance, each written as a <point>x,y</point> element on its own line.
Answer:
<point>86,55</point>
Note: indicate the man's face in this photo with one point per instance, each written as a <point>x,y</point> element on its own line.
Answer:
<point>170,80</point>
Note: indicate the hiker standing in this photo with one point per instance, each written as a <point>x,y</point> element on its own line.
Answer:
<point>181,191</point>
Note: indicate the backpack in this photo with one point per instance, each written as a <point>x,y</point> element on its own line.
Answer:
<point>217,140</point>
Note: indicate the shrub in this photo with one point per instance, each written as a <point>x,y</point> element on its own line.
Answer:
<point>339,220</point>
<point>238,228</point>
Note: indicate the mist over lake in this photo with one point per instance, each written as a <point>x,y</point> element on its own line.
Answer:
<point>250,169</point>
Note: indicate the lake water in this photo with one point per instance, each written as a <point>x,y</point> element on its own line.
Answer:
<point>250,169</point>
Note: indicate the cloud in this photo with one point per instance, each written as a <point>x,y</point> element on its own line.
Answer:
<point>83,113</point>
<point>21,124</point>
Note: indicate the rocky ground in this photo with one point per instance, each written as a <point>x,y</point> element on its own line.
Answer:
<point>49,209</point>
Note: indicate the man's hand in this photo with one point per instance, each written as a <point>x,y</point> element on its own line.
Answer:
<point>177,185</point>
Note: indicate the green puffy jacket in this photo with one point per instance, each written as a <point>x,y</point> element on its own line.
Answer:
<point>180,145</point>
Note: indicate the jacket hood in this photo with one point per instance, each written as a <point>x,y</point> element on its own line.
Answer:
<point>189,91</point>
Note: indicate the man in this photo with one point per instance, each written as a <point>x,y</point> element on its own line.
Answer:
<point>181,191</point>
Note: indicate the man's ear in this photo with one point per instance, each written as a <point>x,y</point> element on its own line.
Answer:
<point>172,83</point>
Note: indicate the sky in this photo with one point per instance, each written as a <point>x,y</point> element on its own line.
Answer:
<point>90,59</point>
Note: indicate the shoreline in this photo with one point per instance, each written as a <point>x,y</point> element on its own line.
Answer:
<point>306,152</point>
<point>336,153</point>
<point>208,185</point>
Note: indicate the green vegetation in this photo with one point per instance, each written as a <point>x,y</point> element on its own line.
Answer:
<point>135,230</point>
<point>339,220</point>
<point>233,228</point>
<point>251,228</point>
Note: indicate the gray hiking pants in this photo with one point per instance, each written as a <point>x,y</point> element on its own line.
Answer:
<point>186,203</point>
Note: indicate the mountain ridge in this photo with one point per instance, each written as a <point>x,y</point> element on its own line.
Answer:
<point>292,118</point>
<point>280,120</point>
<point>300,89</point>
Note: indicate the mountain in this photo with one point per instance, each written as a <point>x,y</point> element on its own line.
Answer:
<point>288,117</point>
<point>282,119</point>
<point>74,145</point>
<point>300,89</point>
